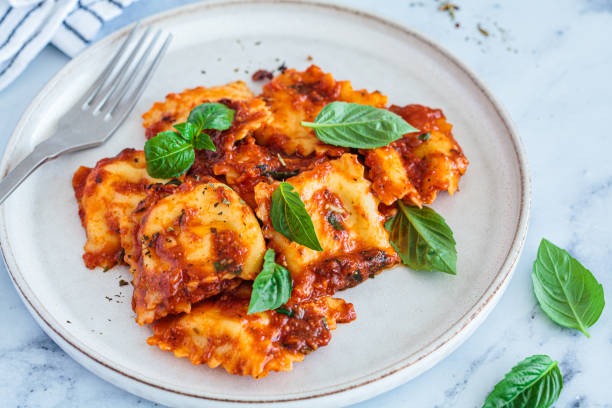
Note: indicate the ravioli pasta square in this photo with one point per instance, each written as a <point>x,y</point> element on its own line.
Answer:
<point>193,244</point>
<point>347,222</point>
<point>219,332</point>
<point>107,194</point>
<point>419,165</point>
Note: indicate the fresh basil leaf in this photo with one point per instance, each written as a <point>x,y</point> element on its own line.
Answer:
<point>289,217</point>
<point>195,136</point>
<point>567,291</point>
<point>422,239</point>
<point>272,287</point>
<point>358,126</point>
<point>212,116</point>
<point>186,130</point>
<point>335,221</point>
<point>168,155</point>
<point>534,382</point>
<point>203,141</point>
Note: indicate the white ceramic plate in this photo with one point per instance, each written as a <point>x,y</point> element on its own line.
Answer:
<point>407,321</point>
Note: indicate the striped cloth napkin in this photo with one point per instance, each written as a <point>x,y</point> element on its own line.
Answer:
<point>27,26</point>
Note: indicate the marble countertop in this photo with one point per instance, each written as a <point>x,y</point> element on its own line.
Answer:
<point>549,63</point>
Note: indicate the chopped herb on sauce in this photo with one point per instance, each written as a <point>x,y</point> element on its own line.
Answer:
<point>227,265</point>
<point>335,222</point>
<point>282,175</point>
<point>356,276</point>
<point>286,312</point>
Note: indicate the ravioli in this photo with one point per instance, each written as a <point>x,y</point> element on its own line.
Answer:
<point>348,225</point>
<point>194,243</point>
<point>295,96</point>
<point>130,242</point>
<point>175,109</point>
<point>107,194</point>
<point>419,165</point>
<point>219,332</point>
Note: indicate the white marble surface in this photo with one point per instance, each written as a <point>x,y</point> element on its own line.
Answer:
<point>550,64</point>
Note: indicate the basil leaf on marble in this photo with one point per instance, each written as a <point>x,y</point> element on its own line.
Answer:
<point>289,217</point>
<point>567,292</point>
<point>422,239</point>
<point>358,126</point>
<point>534,382</point>
<point>272,287</point>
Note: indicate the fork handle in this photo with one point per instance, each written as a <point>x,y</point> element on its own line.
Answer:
<point>41,153</point>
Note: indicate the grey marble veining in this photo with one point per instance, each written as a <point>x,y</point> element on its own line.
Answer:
<point>549,63</point>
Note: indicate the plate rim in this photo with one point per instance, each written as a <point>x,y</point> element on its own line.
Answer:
<point>390,376</point>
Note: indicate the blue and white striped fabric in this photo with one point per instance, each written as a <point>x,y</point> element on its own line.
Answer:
<point>27,26</point>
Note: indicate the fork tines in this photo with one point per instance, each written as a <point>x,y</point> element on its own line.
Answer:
<point>119,86</point>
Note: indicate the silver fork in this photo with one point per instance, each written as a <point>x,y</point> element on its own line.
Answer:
<point>102,109</point>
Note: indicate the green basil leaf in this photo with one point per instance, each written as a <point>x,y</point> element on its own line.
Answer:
<point>194,134</point>
<point>203,141</point>
<point>534,382</point>
<point>186,130</point>
<point>168,155</point>
<point>289,217</point>
<point>358,126</point>
<point>272,287</point>
<point>567,291</point>
<point>212,116</point>
<point>422,239</point>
